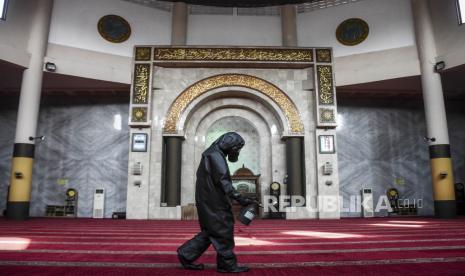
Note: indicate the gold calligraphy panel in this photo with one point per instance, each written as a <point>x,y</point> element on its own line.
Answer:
<point>327,115</point>
<point>262,86</point>
<point>143,53</point>
<point>323,55</point>
<point>325,85</point>
<point>139,114</point>
<point>233,54</point>
<point>141,84</point>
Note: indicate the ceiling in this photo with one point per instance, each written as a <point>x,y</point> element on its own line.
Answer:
<point>240,3</point>
<point>453,84</point>
<point>243,7</point>
<point>60,85</point>
<point>63,85</point>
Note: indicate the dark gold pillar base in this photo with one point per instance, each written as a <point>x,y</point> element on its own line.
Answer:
<point>295,166</point>
<point>443,182</point>
<point>172,174</point>
<point>445,209</point>
<point>19,192</point>
<point>17,210</point>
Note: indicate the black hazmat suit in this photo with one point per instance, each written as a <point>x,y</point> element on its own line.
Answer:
<point>213,195</point>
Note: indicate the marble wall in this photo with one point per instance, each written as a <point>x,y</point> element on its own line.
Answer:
<point>168,83</point>
<point>381,146</point>
<point>86,147</point>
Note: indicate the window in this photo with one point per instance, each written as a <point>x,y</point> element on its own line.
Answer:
<point>3,8</point>
<point>461,11</point>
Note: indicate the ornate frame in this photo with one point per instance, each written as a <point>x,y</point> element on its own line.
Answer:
<point>146,57</point>
<point>205,85</point>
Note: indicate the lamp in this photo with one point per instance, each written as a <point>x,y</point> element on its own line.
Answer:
<point>427,139</point>
<point>51,67</point>
<point>40,138</point>
<point>439,66</point>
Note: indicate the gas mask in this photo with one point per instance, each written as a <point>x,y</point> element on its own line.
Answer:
<point>231,144</point>
<point>233,155</point>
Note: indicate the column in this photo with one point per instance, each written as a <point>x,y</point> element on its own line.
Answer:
<point>289,25</point>
<point>179,24</point>
<point>436,122</point>
<point>295,166</point>
<point>172,174</point>
<point>23,153</point>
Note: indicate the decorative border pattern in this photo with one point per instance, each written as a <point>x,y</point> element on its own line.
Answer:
<point>323,55</point>
<point>143,53</point>
<point>139,115</point>
<point>352,31</point>
<point>119,31</point>
<point>260,85</point>
<point>327,115</point>
<point>233,54</point>
<point>141,84</point>
<point>325,84</point>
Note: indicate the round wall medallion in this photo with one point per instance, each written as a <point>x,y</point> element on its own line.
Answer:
<point>352,31</point>
<point>114,28</point>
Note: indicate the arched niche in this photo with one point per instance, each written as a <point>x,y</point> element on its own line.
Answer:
<point>261,89</point>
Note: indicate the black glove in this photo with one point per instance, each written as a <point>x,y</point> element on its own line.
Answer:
<point>242,200</point>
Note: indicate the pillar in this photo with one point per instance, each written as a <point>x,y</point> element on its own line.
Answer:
<point>172,174</point>
<point>436,122</point>
<point>295,166</point>
<point>289,25</point>
<point>179,24</point>
<point>29,102</point>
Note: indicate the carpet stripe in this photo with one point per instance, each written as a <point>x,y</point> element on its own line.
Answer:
<point>261,238</point>
<point>252,265</point>
<point>270,252</point>
<point>273,244</point>
<point>256,233</point>
<point>258,228</point>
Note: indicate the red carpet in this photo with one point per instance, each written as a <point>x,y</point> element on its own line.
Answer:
<point>381,246</point>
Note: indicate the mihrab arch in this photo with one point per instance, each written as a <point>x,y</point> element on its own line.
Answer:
<point>293,85</point>
<point>241,80</point>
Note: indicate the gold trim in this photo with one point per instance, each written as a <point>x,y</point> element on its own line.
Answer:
<point>325,85</point>
<point>143,53</point>
<point>356,36</point>
<point>139,115</point>
<point>443,187</point>
<point>233,54</point>
<point>20,188</point>
<point>141,84</point>
<point>323,55</point>
<point>260,85</point>
<point>122,23</point>
<point>327,115</point>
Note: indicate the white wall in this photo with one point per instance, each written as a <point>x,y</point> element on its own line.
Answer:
<point>78,49</point>
<point>14,32</point>
<point>74,24</point>
<point>234,30</point>
<point>390,23</point>
<point>449,35</point>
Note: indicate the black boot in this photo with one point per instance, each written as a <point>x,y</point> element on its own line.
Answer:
<point>236,269</point>
<point>188,264</point>
<point>227,263</point>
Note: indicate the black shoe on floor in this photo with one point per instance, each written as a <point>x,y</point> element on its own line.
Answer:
<point>189,265</point>
<point>237,269</point>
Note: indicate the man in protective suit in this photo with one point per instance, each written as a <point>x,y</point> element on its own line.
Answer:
<point>213,195</point>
